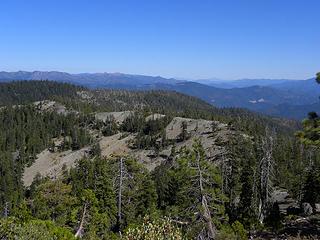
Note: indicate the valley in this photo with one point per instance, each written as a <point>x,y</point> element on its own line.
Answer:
<point>70,148</point>
<point>260,95</point>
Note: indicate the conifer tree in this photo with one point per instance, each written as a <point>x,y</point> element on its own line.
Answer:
<point>196,197</point>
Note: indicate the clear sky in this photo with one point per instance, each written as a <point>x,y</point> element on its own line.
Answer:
<point>226,39</point>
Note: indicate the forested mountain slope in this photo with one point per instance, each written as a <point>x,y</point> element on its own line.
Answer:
<point>261,95</point>
<point>23,92</point>
<point>262,99</point>
<point>170,162</point>
<point>161,101</point>
<point>92,80</point>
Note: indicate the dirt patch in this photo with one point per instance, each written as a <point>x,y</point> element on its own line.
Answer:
<point>115,145</point>
<point>50,164</point>
<point>202,130</point>
<point>118,116</point>
<point>52,106</point>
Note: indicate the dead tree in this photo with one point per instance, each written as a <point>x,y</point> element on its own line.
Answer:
<point>224,175</point>
<point>80,230</point>
<point>89,201</point>
<point>266,167</point>
<point>229,168</point>
<point>120,183</point>
<point>6,209</point>
<point>120,190</point>
<point>212,231</point>
<point>226,172</point>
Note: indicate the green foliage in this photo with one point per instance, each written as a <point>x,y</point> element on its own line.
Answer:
<point>173,189</point>
<point>165,185</point>
<point>24,92</point>
<point>34,229</point>
<point>311,188</point>
<point>161,229</point>
<point>184,135</point>
<point>239,230</point>
<point>152,135</point>
<point>246,209</point>
<point>99,179</point>
<point>96,150</point>
<point>311,131</point>
<point>24,133</point>
<point>234,232</point>
<point>318,77</point>
<point>273,219</point>
<point>311,127</point>
<point>53,200</point>
<point>133,123</point>
<point>109,127</point>
<point>139,195</point>
<point>180,194</point>
<point>310,137</point>
<point>92,184</point>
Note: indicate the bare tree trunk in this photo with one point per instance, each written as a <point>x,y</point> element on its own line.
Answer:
<point>226,172</point>
<point>212,231</point>
<point>266,170</point>
<point>120,191</point>
<point>80,229</point>
<point>6,210</point>
<point>255,187</point>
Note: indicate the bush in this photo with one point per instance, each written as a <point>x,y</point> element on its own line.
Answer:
<point>35,229</point>
<point>239,230</point>
<point>162,229</point>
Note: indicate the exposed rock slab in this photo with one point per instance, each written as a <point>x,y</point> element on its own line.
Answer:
<point>50,164</point>
<point>118,116</point>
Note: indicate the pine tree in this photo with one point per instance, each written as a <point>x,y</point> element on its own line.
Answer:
<point>311,188</point>
<point>196,197</point>
<point>246,207</point>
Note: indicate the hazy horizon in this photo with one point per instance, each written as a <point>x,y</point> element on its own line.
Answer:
<point>163,76</point>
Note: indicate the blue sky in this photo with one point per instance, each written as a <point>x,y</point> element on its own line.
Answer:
<point>226,39</point>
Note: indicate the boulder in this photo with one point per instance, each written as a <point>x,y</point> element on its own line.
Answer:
<point>287,205</point>
<point>317,208</point>
<point>307,209</point>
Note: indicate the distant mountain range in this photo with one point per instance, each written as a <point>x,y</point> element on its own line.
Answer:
<point>92,80</point>
<point>308,85</point>
<point>285,98</point>
<point>239,83</point>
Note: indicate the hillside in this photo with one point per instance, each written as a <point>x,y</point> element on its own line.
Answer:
<point>261,95</point>
<point>161,101</point>
<point>50,163</point>
<point>254,97</point>
<point>134,154</point>
<point>23,92</point>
